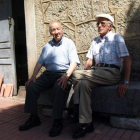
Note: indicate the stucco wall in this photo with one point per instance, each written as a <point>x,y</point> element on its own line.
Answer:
<point>78,18</point>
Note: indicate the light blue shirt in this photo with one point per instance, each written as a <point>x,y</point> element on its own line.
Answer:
<point>110,49</point>
<point>58,57</point>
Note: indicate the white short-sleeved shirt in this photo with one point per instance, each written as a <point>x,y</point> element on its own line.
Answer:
<point>58,57</point>
<point>110,49</point>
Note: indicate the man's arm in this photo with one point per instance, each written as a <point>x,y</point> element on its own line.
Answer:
<point>88,64</point>
<point>63,80</point>
<point>36,70</point>
<point>72,67</point>
<point>127,69</point>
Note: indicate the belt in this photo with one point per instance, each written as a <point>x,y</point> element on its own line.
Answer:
<point>109,65</point>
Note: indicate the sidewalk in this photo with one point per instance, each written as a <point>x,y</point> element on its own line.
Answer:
<point>11,116</point>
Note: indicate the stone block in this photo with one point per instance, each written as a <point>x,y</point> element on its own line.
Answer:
<point>126,123</point>
<point>22,91</point>
<point>105,99</point>
<point>46,97</point>
<point>48,112</point>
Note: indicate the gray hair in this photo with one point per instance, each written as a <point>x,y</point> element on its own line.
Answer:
<point>110,22</point>
<point>55,22</point>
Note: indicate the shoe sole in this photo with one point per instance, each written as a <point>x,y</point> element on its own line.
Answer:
<point>89,131</point>
<point>20,129</point>
<point>54,135</point>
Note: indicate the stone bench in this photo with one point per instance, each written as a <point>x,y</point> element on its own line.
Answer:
<point>105,99</point>
<point>124,111</point>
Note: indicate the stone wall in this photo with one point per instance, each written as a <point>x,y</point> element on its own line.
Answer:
<point>78,18</point>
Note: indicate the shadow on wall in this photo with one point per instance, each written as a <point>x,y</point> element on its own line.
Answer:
<point>132,38</point>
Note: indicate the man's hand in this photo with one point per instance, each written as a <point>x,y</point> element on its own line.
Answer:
<point>63,81</point>
<point>33,79</point>
<point>122,89</point>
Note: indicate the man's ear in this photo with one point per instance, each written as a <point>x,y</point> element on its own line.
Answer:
<point>111,25</point>
<point>50,33</point>
<point>62,29</point>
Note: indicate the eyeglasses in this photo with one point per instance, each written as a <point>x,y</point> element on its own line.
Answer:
<point>102,24</point>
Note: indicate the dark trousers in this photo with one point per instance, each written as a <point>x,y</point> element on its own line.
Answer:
<point>47,80</point>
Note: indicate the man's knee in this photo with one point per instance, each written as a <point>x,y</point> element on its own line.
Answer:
<point>83,83</point>
<point>32,91</point>
<point>30,86</point>
<point>60,87</point>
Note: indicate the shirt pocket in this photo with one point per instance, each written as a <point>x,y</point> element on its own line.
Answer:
<point>96,55</point>
<point>109,52</point>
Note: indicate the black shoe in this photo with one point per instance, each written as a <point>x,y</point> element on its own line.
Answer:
<point>56,129</point>
<point>31,122</point>
<point>72,119</point>
<point>81,132</point>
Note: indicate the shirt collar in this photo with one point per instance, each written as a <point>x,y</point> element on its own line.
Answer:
<point>60,42</point>
<point>106,36</point>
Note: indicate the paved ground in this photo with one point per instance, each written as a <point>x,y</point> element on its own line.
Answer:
<point>11,116</point>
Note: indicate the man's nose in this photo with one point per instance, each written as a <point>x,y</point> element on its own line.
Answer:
<point>99,25</point>
<point>56,31</point>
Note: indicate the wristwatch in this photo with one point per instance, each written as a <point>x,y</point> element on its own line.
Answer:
<point>67,75</point>
<point>126,82</point>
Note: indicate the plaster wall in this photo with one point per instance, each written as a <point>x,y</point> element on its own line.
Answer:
<point>78,18</point>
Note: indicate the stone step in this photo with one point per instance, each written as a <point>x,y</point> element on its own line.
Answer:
<point>125,123</point>
<point>21,91</point>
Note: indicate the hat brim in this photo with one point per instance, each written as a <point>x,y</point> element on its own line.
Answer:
<point>107,16</point>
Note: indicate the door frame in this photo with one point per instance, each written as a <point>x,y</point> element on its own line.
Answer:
<point>30,35</point>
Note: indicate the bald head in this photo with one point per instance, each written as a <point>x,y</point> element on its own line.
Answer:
<point>56,30</point>
<point>54,23</point>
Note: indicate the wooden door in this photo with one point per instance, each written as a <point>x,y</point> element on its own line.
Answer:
<point>7,49</point>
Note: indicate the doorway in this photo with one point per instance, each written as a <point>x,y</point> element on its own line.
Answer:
<point>20,42</point>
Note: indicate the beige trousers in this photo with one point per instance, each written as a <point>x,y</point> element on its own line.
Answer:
<point>84,81</point>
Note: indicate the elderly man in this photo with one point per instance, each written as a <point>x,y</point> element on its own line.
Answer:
<point>60,58</point>
<point>107,52</point>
